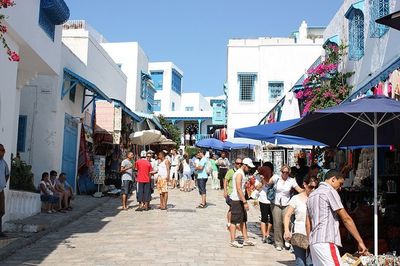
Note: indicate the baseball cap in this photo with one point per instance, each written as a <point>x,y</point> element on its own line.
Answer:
<point>248,162</point>
<point>143,154</point>
<point>150,151</point>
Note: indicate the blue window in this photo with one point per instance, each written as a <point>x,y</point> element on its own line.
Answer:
<point>72,93</point>
<point>157,106</point>
<point>176,81</point>
<point>378,9</point>
<point>21,133</point>
<point>52,13</point>
<point>150,99</point>
<point>356,32</point>
<point>157,77</point>
<point>189,108</point>
<point>275,91</point>
<point>172,106</point>
<point>246,87</point>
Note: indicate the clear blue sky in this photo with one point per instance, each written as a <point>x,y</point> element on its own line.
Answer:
<point>194,33</point>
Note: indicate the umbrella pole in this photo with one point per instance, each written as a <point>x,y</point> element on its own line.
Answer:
<point>375,186</point>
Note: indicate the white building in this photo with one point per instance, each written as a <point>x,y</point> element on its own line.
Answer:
<point>53,108</point>
<point>261,71</point>
<point>34,32</point>
<point>373,52</point>
<point>192,113</point>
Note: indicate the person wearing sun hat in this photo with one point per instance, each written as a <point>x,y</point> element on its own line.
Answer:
<point>239,204</point>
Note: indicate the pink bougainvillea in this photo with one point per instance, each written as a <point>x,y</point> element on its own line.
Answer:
<point>325,85</point>
<point>12,55</point>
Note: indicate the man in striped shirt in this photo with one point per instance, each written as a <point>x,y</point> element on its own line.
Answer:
<point>324,208</point>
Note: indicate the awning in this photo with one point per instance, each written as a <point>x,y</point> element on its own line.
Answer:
<point>332,40</point>
<point>381,75</point>
<point>127,110</point>
<point>74,79</point>
<point>359,5</point>
<point>391,20</point>
<point>152,118</point>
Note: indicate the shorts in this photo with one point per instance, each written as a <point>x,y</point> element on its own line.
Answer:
<point>186,176</point>
<point>126,187</point>
<point>239,214</point>
<point>162,186</point>
<point>325,254</point>
<point>2,204</point>
<point>228,201</point>
<point>266,213</point>
<point>174,173</point>
<point>49,198</point>
<point>143,193</point>
<point>201,184</point>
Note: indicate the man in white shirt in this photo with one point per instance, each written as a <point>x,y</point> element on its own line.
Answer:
<point>126,179</point>
<point>175,161</point>
<point>4,176</point>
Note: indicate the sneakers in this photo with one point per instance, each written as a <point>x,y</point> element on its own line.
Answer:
<point>248,243</point>
<point>236,244</point>
<point>278,248</point>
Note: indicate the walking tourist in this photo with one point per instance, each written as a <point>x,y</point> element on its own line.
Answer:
<point>283,185</point>
<point>47,196</point>
<point>186,174</point>
<point>175,161</point>
<point>4,176</point>
<point>324,208</point>
<point>228,188</point>
<point>240,205</point>
<point>265,174</point>
<point>143,179</point>
<point>162,179</point>
<point>298,207</point>
<point>126,179</point>
<point>215,184</point>
<point>202,178</point>
<point>223,166</point>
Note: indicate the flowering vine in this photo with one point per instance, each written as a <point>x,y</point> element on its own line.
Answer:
<point>12,55</point>
<point>325,85</point>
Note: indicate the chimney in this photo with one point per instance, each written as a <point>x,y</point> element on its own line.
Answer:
<point>303,31</point>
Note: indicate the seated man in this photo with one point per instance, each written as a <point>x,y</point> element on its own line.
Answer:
<point>63,187</point>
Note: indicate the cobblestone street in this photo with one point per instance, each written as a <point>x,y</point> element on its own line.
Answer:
<point>183,235</point>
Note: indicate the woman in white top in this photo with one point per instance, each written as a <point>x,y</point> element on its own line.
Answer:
<point>298,207</point>
<point>163,179</point>
<point>283,184</point>
<point>186,173</point>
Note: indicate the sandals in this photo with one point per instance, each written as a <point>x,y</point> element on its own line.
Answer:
<point>202,206</point>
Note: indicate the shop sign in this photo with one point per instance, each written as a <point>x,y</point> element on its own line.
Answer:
<point>99,169</point>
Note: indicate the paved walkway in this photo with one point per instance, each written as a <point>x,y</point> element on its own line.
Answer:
<point>183,235</point>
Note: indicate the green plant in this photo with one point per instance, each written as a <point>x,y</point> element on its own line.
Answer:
<point>21,176</point>
<point>191,151</point>
<point>172,131</point>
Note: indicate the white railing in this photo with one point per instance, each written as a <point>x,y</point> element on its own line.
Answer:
<point>21,204</point>
<point>83,25</point>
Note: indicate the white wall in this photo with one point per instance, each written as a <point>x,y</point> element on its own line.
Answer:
<point>272,59</point>
<point>378,53</point>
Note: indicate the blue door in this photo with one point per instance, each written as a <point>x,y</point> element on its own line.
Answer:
<point>69,149</point>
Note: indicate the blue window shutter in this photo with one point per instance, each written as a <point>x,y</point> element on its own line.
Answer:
<point>356,34</point>
<point>21,133</point>
<point>378,9</point>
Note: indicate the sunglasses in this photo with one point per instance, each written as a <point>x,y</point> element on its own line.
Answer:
<point>238,163</point>
<point>285,172</point>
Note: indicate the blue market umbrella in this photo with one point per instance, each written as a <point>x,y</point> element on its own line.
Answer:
<point>371,120</point>
<point>210,143</point>
<point>227,145</point>
<point>267,133</point>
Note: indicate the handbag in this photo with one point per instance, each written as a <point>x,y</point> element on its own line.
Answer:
<point>299,240</point>
<point>271,191</point>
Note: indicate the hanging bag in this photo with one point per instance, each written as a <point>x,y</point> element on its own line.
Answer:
<point>271,192</point>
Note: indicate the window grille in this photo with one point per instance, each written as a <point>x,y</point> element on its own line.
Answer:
<point>356,34</point>
<point>275,91</point>
<point>246,87</point>
<point>378,9</point>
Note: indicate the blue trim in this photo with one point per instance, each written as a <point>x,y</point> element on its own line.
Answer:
<point>22,123</point>
<point>127,110</point>
<point>56,10</point>
<point>378,9</point>
<point>384,74</point>
<point>188,118</point>
<point>359,6</point>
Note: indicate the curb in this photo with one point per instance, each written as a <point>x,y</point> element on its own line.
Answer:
<point>25,241</point>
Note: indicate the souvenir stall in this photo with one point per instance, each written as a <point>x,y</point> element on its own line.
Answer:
<point>357,194</point>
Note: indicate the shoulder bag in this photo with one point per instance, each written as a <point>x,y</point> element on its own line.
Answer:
<point>299,240</point>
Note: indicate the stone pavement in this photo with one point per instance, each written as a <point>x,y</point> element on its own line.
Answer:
<point>182,235</point>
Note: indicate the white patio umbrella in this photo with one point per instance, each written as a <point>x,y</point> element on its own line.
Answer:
<point>145,137</point>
